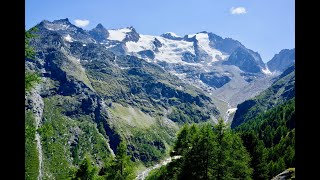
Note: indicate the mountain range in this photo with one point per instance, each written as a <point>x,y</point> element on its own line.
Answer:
<point>102,86</point>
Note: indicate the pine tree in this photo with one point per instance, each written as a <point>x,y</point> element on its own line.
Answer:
<point>198,157</point>
<point>86,171</point>
<point>232,159</point>
<point>258,154</point>
<point>183,141</point>
<point>121,168</point>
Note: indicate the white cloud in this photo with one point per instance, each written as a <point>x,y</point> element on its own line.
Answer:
<point>238,10</point>
<point>81,23</point>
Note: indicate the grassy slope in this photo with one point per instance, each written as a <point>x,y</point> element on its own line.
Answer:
<point>31,152</point>
<point>61,152</point>
<point>150,137</point>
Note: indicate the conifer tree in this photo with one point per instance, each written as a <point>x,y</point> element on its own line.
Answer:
<point>86,171</point>
<point>232,159</point>
<point>121,168</point>
<point>258,154</point>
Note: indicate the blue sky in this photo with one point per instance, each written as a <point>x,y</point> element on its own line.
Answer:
<point>265,26</point>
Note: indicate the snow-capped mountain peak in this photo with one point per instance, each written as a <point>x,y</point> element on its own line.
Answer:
<point>202,59</point>
<point>172,34</point>
<point>56,25</point>
<point>118,34</point>
<point>163,49</point>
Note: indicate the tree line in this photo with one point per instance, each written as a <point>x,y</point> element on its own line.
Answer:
<point>118,168</point>
<point>207,152</point>
<point>257,149</point>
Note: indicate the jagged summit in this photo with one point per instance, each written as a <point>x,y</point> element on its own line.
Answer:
<point>100,26</point>
<point>99,33</point>
<point>203,59</point>
<point>282,60</point>
<point>66,20</point>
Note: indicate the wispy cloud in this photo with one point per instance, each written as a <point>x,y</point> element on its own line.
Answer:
<point>81,23</point>
<point>238,10</point>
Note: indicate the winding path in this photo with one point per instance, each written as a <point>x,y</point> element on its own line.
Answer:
<point>142,175</point>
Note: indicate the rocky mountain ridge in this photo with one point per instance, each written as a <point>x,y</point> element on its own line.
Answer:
<point>103,86</point>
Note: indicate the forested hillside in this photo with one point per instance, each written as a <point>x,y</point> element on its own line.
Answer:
<point>257,149</point>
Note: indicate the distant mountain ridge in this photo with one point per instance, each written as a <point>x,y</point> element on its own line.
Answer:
<point>281,90</point>
<point>282,60</point>
<point>222,67</point>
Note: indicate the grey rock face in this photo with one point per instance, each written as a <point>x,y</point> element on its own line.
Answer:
<point>66,29</point>
<point>287,174</point>
<point>214,79</point>
<point>132,35</point>
<point>118,49</point>
<point>170,36</point>
<point>246,60</point>
<point>157,43</point>
<point>99,33</point>
<point>188,57</point>
<point>227,45</point>
<point>146,54</point>
<point>282,60</point>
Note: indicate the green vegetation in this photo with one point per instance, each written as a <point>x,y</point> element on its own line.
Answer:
<point>260,148</point>
<point>66,142</point>
<point>149,88</point>
<point>292,171</point>
<point>207,152</point>
<point>86,171</point>
<point>93,104</point>
<point>31,78</point>
<point>149,137</point>
<point>270,140</point>
<point>31,152</point>
<point>29,50</point>
<point>73,68</point>
<point>188,113</point>
<point>120,168</point>
<point>281,90</point>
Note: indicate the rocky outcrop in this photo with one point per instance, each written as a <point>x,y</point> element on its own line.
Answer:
<point>67,30</point>
<point>99,33</point>
<point>281,61</point>
<point>214,79</point>
<point>226,45</point>
<point>34,103</point>
<point>246,60</point>
<point>146,54</point>
<point>132,35</point>
<point>171,36</point>
<point>287,174</point>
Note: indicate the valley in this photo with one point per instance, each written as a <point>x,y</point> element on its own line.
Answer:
<point>101,87</point>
